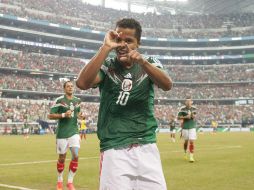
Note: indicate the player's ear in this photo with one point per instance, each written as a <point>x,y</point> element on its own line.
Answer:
<point>139,43</point>
<point>137,46</point>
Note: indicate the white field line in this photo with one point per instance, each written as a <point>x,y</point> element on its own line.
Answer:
<point>96,157</point>
<point>44,161</point>
<point>14,187</point>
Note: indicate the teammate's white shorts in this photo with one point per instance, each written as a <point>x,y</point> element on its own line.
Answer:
<point>189,134</point>
<point>26,130</point>
<point>62,145</point>
<point>137,167</point>
<point>173,131</point>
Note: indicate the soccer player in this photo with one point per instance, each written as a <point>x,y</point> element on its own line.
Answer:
<point>187,114</point>
<point>126,124</point>
<point>26,126</point>
<point>82,129</point>
<point>172,126</point>
<point>67,110</point>
<point>26,130</point>
<point>214,125</point>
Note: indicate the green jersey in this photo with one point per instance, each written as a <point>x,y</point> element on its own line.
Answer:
<point>26,125</point>
<point>126,114</point>
<point>67,127</point>
<point>188,123</point>
<point>172,125</point>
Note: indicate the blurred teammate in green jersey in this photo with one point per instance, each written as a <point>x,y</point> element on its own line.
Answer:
<point>187,114</point>
<point>67,110</point>
<point>172,126</point>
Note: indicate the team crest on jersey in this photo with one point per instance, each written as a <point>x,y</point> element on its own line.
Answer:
<point>71,106</point>
<point>126,85</point>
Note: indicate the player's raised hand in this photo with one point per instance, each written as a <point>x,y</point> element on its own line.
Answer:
<point>110,39</point>
<point>68,114</point>
<point>134,55</point>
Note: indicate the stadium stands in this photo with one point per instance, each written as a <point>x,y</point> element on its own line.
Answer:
<point>96,17</point>
<point>37,55</point>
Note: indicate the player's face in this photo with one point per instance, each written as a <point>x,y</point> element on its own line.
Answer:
<point>69,88</point>
<point>188,102</point>
<point>130,42</point>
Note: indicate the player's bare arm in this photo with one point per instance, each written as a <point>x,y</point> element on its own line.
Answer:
<point>189,116</point>
<point>88,77</point>
<point>60,115</point>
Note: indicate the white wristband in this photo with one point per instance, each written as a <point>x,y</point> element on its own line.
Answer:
<point>63,115</point>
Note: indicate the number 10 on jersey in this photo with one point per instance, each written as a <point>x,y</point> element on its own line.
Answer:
<point>123,98</point>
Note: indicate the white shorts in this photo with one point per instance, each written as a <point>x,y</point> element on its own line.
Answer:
<point>26,130</point>
<point>137,167</point>
<point>62,145</point>
<point>189,134</point>
<point>173,131</point>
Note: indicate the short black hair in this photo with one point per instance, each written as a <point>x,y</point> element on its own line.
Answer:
<point>132,24</point>
<point>64,85</point>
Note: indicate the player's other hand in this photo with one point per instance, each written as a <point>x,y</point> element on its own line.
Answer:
<point>68,114</point>
<point>193,115</point>
<point>131,55</point>
<point>136,57</point>
<point>188,116</point>
<point>111,40</point>
<point>82,115</point>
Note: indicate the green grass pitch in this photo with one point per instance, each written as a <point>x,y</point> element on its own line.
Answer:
<point>224,161</point>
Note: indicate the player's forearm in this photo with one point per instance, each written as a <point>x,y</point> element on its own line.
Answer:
<point>89,72</point>
<point>158,76</point>
<point>183,117</point>
<point>56,116</point>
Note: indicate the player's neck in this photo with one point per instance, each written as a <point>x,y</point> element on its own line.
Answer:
<point>69,96</point>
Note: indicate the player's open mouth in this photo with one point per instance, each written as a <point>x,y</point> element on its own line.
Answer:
<point>122,53</point>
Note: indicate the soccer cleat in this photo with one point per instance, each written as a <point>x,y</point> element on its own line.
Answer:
<point>70,186</point>
<point>192,158</point>
<point>59,186</point>
<point>185,156</point>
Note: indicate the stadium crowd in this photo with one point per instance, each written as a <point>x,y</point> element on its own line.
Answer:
<point>208,91</point>
<point>179,73</point>
<point>40,62</point>
<point>38,83</point>
<point>211,73</point>
<point>76,13</point>
<point>96,17</point>
<point>42,84</point>
<point>15,110</point>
